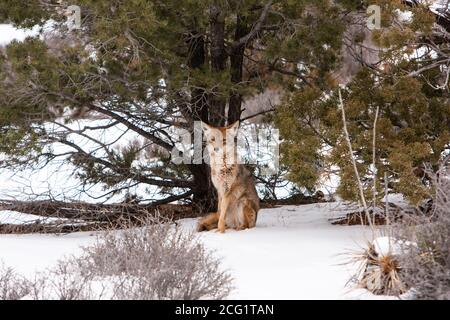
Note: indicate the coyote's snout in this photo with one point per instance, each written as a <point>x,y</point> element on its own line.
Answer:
<point>238,203</point>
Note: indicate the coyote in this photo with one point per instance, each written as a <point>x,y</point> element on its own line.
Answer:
<point>238,202</point>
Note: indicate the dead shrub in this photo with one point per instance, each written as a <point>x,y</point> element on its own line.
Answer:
<point>12,285</point>
<point>155,262</point>
<point>427,260</point>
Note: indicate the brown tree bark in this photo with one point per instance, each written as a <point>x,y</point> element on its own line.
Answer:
<point>236,65</point>
<point>217,102</point>
<point>204,193</point>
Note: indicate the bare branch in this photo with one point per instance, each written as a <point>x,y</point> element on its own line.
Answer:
<point>352,158</point>
<point>374,167</point>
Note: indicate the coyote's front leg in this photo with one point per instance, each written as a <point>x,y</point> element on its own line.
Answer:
<point>222,210</point>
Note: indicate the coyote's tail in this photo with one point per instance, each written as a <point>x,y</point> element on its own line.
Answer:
<point>209,222</point>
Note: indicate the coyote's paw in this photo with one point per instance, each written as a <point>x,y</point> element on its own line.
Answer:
<point>221,226</point>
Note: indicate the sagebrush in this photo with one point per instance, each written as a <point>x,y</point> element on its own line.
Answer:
<point>426,261</point>
<point>12,285</point>
<point>151,263</point>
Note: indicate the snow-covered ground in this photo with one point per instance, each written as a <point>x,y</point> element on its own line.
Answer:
<point>293,253</point>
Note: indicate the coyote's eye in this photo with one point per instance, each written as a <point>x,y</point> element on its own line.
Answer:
<point>213,139</point>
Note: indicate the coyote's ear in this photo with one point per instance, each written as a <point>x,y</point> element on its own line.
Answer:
<point>233,129</point>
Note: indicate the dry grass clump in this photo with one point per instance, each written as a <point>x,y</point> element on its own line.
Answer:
<point>379,273</point>
<point>418,256</point>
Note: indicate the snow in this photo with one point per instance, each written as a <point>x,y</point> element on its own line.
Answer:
<point>439,7</point>
<point>30,253</point>
<point>8,33</point>
<point>293,253</point>
<point>13,217</point>
<point>386,246</point>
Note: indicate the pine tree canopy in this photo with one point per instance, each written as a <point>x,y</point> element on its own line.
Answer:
<point>155,66</point>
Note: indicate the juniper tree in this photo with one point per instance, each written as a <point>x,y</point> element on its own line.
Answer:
<point>408,83</point>
<point>153,66</point>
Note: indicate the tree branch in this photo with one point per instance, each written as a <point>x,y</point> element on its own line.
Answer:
<point>119,118</point>
<point>174,183</point>
<point>258,114</point>
<point>255,30</point>
<point>132,126</point>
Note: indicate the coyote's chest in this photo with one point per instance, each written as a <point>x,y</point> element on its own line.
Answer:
<point>223,176</point>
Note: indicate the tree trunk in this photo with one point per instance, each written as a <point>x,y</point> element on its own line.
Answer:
<point>236,65</point>
<point>212,108</point>
<point>217,102</point>
<point>204,193</point>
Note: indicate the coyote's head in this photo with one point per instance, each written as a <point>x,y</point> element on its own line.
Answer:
<point>221,144</point>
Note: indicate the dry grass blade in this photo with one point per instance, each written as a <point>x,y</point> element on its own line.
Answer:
<point>380,274</point>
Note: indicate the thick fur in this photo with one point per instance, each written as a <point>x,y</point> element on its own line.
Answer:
<point>209,222</point>
<point>238,203</point>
